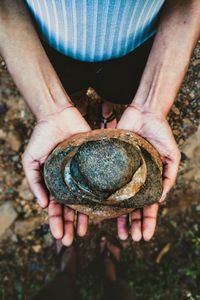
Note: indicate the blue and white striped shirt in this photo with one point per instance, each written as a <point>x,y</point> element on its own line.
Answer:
<point>96,30</point>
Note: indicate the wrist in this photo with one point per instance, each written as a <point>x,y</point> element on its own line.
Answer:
<point>52,109</point>
<point>145,108</point>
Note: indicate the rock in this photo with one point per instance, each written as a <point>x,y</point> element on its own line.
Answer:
<point>24,227</point>
<point>104,172</point>
<point>24,191</point>
<point>175,110</point>
<point>2,134</point>
<point>176,132</point>
<point>198,207</point>
<point>7,216</point>
<point>193,174</point>
<point>14,141</point>
<point>191,147</point>
<point>48,240</point>
<point>36,248</point>
<point>196,62</point>
<point>192,95</point>
<point>186,122</point>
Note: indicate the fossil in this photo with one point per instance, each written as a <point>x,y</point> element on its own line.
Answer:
<point>104,172</point>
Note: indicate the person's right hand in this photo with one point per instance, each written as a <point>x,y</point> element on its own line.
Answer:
<point>47,134</point>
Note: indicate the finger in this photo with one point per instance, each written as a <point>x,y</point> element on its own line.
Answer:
<point>169,173</point>
<point>69,216</point>
<point>136,225</point>
<point>82,224</point>
<point>55,219</point>
<point>35,180</point>
<point>149,221</point>
<point>122,227</point>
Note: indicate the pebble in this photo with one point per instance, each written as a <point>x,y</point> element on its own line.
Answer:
<point>175,110</point>
<point>196,62</point>
<point>176,132</point>
<point>192,95</point>
<point>13,141</point>
<point>36,248</point>
<point>198,207</point>
<point>48,240</point>
<point>2,134</point>
<point>191,147</point>
<point>24,227</point>
<point>24,190</point>
<point>8,216</point>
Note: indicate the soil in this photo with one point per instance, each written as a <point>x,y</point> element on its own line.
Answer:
<point>168,267</point>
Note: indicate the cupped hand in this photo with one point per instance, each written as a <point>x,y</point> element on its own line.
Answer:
<point>156,130</point>
<point>47,134</point>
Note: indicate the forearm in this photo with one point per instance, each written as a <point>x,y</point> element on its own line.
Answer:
<point>177,35</point>
<point>27,61</point>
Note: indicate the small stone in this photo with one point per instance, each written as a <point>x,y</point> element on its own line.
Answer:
<point>176,132</point>
<point>24,191</point>
<point>192,95</point>
<point>175,110</point>
<point>8,216</point>
<point>48,240</point>
<point>191,147</point>
<point>36,248</point>
<point>165,212</point>
<point>198,207</point>
<point>2,134</point>
<point>14,141</point>
<point>196,62</point>
<point>24,227</point>
<point>187,122</point>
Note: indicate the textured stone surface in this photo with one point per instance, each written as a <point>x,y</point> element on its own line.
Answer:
<point>104,172</point>
<point>106,165</point>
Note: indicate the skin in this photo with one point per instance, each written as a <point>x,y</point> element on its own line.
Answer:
<point>56,119</point>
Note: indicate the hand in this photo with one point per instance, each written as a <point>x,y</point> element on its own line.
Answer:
<point>155,129</point>
<point>47,134</point>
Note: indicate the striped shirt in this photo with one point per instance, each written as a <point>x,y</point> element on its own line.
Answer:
<point>96,30</point>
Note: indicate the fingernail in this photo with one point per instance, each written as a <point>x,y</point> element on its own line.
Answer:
<point>41,203</point>
<point>81,231</point>
<point>147,237</point>
<point>136,237</point>
<point>123,236</point>
<point>163,198</point>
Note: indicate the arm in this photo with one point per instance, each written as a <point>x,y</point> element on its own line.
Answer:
<point>56,117</point>
<point>27,61</point>
<point>178,33</point>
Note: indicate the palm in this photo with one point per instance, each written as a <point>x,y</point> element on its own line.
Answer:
<point>157,131</point>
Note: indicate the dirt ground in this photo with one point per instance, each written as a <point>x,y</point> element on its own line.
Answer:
<point>167,268</point>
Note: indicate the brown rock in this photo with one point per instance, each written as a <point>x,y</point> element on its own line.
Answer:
<point>14,141</point>
<point>191,147</point>
<point>175,110</point>
<point>24,227</point>
<point>7,216</point>
<point>24,191</point>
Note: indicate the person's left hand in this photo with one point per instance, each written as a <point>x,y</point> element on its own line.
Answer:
<point>156,130</point>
